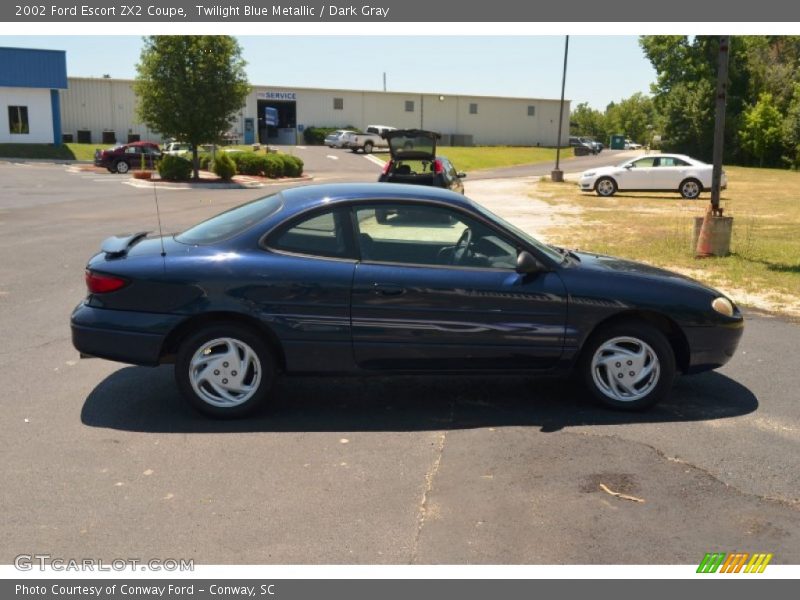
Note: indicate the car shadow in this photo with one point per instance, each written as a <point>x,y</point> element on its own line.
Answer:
<point>146,400</point>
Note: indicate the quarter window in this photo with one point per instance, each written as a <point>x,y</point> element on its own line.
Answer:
<point>320,235</point>
<point>18,120</point>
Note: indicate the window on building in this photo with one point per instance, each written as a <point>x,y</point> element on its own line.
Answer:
<point>531,111</point>
<point>473,108</point>
<point>409,106</point>
<point>18,119</point>
<point>338,104</point>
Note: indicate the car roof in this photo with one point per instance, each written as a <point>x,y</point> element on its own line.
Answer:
<point>299,199</point>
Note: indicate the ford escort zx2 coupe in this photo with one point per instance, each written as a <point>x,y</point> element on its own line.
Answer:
<point>309,280</point>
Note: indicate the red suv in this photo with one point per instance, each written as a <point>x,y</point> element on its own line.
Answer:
<point>121,159</point>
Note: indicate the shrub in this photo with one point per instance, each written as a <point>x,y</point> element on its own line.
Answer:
<point>248,163</point>
<point>224,166</point>
<point>292,166</point>
<point>175,168</point>
<point>273,165</point>
<point>205,161</point>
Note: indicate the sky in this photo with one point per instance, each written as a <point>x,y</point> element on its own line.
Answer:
<point>601,69</point>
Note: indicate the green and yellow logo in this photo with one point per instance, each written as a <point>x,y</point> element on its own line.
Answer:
<point>737,562</point>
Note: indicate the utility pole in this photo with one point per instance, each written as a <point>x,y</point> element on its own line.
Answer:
<point>384,81</point>
<point>719,125</point>
<point>557,174</point>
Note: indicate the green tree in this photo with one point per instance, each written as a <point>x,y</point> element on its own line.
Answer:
<point>587,121</point>
<point>762,130</point>
<point>189,87</point>
<point>634,117</point>
<point>791,130</point>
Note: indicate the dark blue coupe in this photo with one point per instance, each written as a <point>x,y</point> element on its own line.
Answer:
<point>310,280</point>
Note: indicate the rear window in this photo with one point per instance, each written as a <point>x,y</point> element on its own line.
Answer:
<point>412,146</point>
<point>231,222</point>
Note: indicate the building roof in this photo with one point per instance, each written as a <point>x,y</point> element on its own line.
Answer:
<point>32,68</point>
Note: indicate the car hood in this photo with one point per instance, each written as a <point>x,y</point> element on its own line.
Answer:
<point>623,267</point>
<point>604,170</point>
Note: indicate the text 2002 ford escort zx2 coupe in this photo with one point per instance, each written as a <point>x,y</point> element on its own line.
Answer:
<point>310,281</point>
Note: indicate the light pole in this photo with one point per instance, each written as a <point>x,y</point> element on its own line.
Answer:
<point>557,174</point>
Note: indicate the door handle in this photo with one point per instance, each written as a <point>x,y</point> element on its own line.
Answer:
<point>388,289</point>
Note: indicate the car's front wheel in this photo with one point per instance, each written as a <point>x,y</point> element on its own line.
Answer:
<point>122,167</point>
<point>225,371</point>
<point>628,366</point>
<point>690,189</point>
<point>605,187</point>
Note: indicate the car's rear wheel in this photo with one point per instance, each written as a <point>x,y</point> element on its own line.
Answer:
<point>122,167</point>
<point>605,187</point>
<point>690,189</point>
<point>628,366</point>
<point>368,148</point>
<point>225,371</point>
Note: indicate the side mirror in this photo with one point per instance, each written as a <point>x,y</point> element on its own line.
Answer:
<point>527,263</point>
<point>461,175</point>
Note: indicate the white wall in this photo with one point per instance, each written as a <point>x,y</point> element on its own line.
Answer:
<point>40,115</point>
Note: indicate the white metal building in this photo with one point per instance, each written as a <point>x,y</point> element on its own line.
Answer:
<point>102,111</point>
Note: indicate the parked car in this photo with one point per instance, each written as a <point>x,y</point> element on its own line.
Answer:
<point>413,160</point>
<point>123,158</point>
<point>655,172</point>
<point>597,146</point>
<point>336,139</point>
<point>369,140</point>
<point>308,281</point>
<point>581,148</point>
<point>177,149</point>
<point>631,145</point>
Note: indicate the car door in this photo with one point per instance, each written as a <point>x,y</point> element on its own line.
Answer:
<point>670,171</point>
<point>453,180</point>
<point>422,300</point>
<point>638,174</point>
<point>303,287</point>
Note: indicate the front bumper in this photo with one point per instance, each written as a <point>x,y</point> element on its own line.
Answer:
<point>710,347</point>
<point>125,336</point>
<point>586,183</point>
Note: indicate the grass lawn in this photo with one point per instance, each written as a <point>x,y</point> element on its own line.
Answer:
<point>62,152</point>
<point>491,157</point>
<point>764,266</point>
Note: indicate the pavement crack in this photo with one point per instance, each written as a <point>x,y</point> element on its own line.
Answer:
<point>788,503</point>
<point>430,476</point>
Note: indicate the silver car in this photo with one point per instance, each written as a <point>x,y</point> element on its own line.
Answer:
<point>335,139</point>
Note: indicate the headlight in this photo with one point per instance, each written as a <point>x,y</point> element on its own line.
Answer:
<point>590,174</point>
<point>723,306</point>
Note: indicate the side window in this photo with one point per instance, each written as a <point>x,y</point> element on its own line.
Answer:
<point>131,150</point>
<point>430,236</point>
<point>644,163</point>
<point>320,235</point>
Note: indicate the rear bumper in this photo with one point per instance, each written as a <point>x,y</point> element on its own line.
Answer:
<point>124,336</point>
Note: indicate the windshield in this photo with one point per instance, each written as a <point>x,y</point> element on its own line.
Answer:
<point>231,222</point>
<point>543,248</point>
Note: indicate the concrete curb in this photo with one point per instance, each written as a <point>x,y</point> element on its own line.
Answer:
<point>169,185</point>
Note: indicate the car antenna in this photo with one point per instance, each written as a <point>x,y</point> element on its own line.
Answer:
<point>158,216</point>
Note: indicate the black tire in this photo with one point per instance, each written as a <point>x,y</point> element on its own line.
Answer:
<point>122,167</point>
<point>368,148</point>
<point>605,187</point>
<point>656,385</point>
<point>690,189</point>
<point>231,331</point>
<point>354,150</point>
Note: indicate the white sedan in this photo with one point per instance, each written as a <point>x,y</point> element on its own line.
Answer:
<point>335,139</point>
<point>655,172</point>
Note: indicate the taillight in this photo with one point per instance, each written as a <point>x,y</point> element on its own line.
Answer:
<point>386,167</point>
<point>438,167</point>
<point>102,284</point>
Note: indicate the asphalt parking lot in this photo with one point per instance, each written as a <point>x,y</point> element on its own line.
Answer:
<point>104,460</point>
